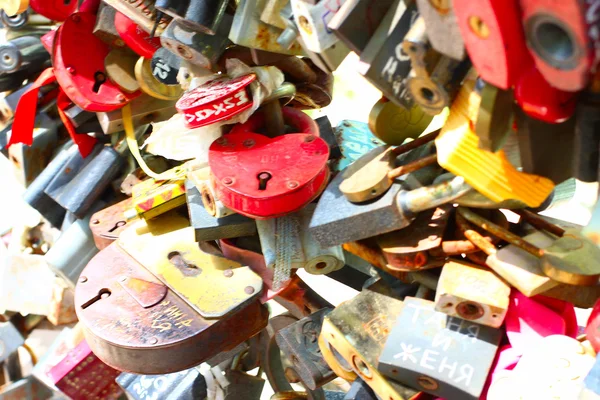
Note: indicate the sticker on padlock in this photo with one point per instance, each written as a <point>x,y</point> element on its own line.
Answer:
<point>208,227</point>
<point>435,354</point>
<point>134,37</point>
<point>394,124</point>
<point>107,224</point>
<point>56,10</point>
<point>572,25</point>
<point>312,22</point>
<point>164,331</point>
<point>434,78</point>
<point>150,85</point>
<point>382,62</point>
<point>352,339</point>
<point>472,293</point>
<point>84,79</point>
<point>353,13</point>
<point>82,375</point>
<point>216,100</point>
<point>491,174</point>
<point>494,39</point>
<point>259,182</point>
<point>165,66</point>
<point>249,31</point>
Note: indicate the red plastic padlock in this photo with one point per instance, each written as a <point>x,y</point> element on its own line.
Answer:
<point>135,37</point>
<point>494,38</point>
<point>56,10</point>
<point>540,100</point>
<point>592,330</point>
<point>564,39</point>
<point>78,59</point>
<point>264,177</point>
<point>215,101</point>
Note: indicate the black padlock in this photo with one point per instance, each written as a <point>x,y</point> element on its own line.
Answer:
<point>25,52</point>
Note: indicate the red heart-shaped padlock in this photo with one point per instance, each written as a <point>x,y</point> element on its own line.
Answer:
<point>78,59</point>
<point>264,177</point>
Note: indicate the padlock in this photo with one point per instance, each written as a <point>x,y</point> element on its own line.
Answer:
<point>29,161</point>
<point>120,69</point>
<point>134,37</point>
<point>249,31</point>
<point>269,185</point>
<point>196,47</point>
<point>10,340</point>
<point>14,21</point>
<point>354,139</point>
<point>546,149</point>
<point>207,227</point>
<point>165,66</point>
<point>382,62</point>
<point>491,174</point>
<point>56,10</point>
<point>144,109</point>
<point>554,368</point>
<point>154,197</point>
<point>27,388</point>
<point>434,78</point>
<point>62,304</point>
<point>216,100</point>
<point>185,385</point>
<point>591,383</point>
<point>84,78</point>
<point>359,390</point>
<point>287,244</point>
<point>495,113</point>
<point>494,39</point>
<point>21,53</point>
<point>152,86</point>
<point>587,140</point>
<point>433,354</point>
<point>571,25</point>
<point>105,29</point>
<point>203,17</point>
<point>312,22</point>
<point>337,220</point>
<point>352,340</point>
<point>107,224</point>
<point>566,260</point>
<point>394,124</point>
<point>442,28</point>
<point>75,248</point>
<point>299,343</point>
<point>353,13</point>
<point>272,13</point>
<point>327,133</point>
<point>242,386</point>
<point>166,319</point>
<point>472,293</point>
<point>329,59</point>
<point>82,375</point>
<point>83,121</point>
<point>143,13</point>
<point>13,7</point>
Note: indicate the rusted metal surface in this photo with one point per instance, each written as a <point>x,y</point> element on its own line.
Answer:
<point>107,224</point>
<point>300,299</point>
<point>156,332</point>
<point>417,142</point>
<point>412,166</point>
<point>540,223</point>
<point>475,237</point>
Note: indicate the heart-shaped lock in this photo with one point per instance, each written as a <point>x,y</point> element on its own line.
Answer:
<point>263,177</point>
<point>84,79</point>
<point>56,10</point>
<point>135,37</point>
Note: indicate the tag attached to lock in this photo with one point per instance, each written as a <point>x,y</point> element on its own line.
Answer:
<point>252,177</point>
<point>216,101</point>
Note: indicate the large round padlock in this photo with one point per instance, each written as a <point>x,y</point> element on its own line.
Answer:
<point>264,177</point>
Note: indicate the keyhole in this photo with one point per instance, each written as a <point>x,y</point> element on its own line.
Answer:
<point>99,79</point>
<point>102,294</point>
<point>66,2</point>
<point>263,178</point>
<point>117,225</point>
<point>186,268</point>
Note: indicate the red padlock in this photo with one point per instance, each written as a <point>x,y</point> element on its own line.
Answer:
<point>564,39</point>
<point>135,37</point>
<point>215,101</point>
<point>264,177</point>
<point>592,330</point>
<point>494,38</point>
<point>81,375</point>
<point>540,100</point>
<point>56,10</point>
<point>83,78</point>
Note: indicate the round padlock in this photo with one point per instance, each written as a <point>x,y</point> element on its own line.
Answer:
<point>152,86</point>
<point>216,100</point>
<point>393,124</point>
<point>264,177</point>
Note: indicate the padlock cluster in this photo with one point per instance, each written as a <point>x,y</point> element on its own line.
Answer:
<point>196,225</point>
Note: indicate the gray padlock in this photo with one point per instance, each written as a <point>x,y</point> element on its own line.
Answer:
<point>10,340</point>
<point>21,53</point>
<point>184,385</point>
<point>445,356</point>
<point>382,62</point>
<point>207,227</point>
<point>105,28</point>
<point>144,109</point>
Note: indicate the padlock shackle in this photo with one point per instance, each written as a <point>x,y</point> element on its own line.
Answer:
<point>430,137</point>
<point>540,223</point>
<point>475,237</point>
<point>412,166</point>
<point>432,196</point>
<point>498,231</point>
